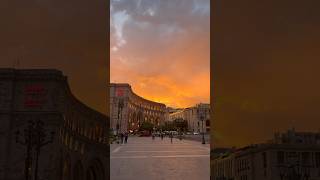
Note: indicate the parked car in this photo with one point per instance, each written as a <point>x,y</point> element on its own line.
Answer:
<point>195,133</point>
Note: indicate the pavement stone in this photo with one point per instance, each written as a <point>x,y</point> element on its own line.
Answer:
<point>146,159</point>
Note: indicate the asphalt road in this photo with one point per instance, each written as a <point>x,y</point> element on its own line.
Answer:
<point>146,159</point>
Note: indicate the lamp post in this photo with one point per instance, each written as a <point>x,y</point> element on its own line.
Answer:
<point>140,117</point>
<point>202,119</point>
<point>34,139</point>
<point>201,112</point>
<point>41,141</point>
<point>120,107</point>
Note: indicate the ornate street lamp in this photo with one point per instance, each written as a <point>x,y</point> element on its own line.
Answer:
<point>202,119</point>
<point>34,139</point>
<point>120,107</point>
<point>201,116</point>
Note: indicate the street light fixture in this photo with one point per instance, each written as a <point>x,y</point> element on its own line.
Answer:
<point>120,107</point>
<point>201,116</point>
<point>34,139</point>
<point>202,119</point>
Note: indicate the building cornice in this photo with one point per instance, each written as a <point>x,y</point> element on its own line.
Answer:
<point>136,95</point>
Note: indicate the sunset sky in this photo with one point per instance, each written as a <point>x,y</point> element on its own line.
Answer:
<point>266,69</point>
<point>66,35</point>
<point>162,49</point>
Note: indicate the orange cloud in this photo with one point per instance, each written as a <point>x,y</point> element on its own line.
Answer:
<point>166,57</point>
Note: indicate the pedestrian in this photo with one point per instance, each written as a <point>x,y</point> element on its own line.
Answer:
<point>126,138</point>
<point>153,136</point>
<point>121,137</point>
<point>171,137</point>
<point>161,136</point>
<point>180,136</point>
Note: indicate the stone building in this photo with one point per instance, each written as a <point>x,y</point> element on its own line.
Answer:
<point>128,110</point>
<point>192,116</point>
<point>38,106</point>
<point>290,155</point>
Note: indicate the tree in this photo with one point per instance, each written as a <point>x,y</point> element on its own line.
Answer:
<point>180,124</point>
<point>146,126</point>
<point>168,126</point>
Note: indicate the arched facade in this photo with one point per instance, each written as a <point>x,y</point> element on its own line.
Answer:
<point>80,133</point>
<point>78,171</point>
<point>95,171</point>
<point>129,110</point>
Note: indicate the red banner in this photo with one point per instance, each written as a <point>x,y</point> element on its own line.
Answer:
<point>34,95</point>
<point>119,92</point>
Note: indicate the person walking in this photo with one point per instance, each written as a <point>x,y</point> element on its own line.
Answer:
<point>153,136</point>
<point>126,137</point>
<point>121,137</point>
<point>161,136</point>
<point>171,137</point>
<point>180,136</point>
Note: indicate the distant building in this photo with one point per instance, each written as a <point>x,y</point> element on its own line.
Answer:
<point>128,110</point>
<point>191,115</point>
<point>170,110</point>
<point>290,155</point>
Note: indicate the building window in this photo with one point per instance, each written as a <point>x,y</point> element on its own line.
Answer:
<point>264,159</point>
<point>317,159</point>
<point>305,158</point>
<point>280,157</point>
<point>208,122</point>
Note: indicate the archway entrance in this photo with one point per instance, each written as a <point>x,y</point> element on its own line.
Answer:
<point>66,169</point>
<point>91,174</point>
<point>95,171</point>
<point>78,171</point>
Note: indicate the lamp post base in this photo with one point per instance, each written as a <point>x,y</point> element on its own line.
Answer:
<point>203,140</point>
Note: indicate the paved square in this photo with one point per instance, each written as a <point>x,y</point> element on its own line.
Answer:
<point>146,159</point>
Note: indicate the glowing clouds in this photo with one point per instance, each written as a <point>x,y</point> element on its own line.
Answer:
<point>162,53</point>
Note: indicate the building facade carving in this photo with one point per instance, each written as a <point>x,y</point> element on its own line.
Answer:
<point>79,150</point>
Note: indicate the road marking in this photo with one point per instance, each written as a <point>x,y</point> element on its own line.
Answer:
<point>165,145</point>
<point>116,150</point>
<point>128,157</point>
<point>174,156</point>
<point>182,156</point>
<point>166,151</point>
<point>208,149</point>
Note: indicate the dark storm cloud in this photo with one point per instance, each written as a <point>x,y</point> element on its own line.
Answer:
<point>266,59</point>
<point>67,35</point>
